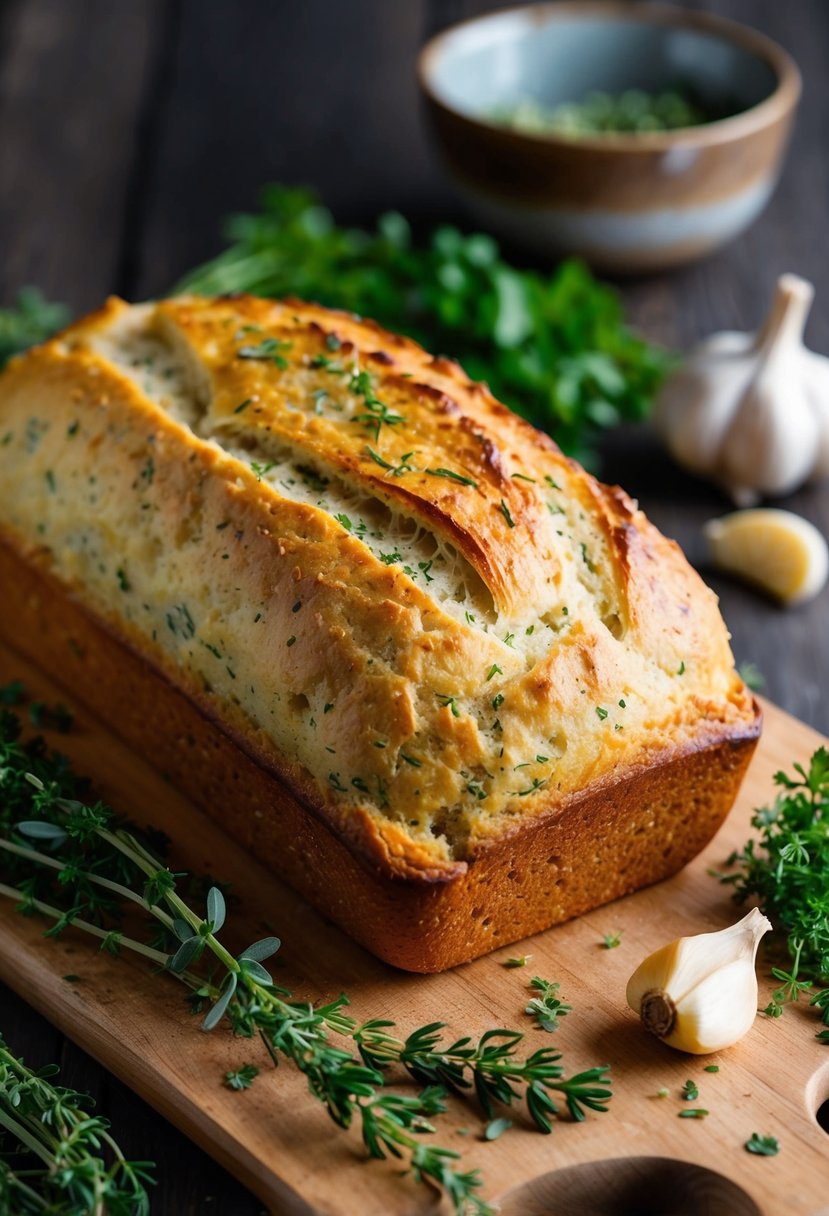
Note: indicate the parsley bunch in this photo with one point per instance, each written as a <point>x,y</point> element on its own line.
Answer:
<point>787,870</point>
<point>553,347</point>
<point>74,861</point>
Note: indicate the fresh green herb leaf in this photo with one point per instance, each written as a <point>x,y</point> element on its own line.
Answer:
<point>241,1078</point>
<point>611,940</point>
<point>451,475</point>
<point>32,320</point>
<point>763,1146</point>
<point>548,1008</point>
<point>270,349</point>
<point>555,347</point>
<point>786,869</point>
<point>496,1128</point>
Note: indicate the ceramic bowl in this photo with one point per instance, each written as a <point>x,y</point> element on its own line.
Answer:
<point>630,202</point>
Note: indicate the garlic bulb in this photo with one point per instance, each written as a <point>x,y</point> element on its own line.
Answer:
<point>751,411</point>
<point>699,994</point>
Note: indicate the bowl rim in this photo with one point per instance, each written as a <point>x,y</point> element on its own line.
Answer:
<point>781,101</point>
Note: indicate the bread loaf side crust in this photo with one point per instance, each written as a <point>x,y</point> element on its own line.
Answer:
<point>437,654</point>
<point>605,842</point>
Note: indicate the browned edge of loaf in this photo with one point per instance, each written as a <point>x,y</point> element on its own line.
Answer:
<point>607,841</point>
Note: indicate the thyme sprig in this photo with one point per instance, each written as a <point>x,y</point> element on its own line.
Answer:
<point>787,870</point>
<point>489,1067</point>
<point>53,1151</point>
<point>66,851</point>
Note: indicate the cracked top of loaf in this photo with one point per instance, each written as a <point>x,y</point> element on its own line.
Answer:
<point>388,587</point>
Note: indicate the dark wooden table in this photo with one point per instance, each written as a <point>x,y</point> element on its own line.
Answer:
<point>129,129</point>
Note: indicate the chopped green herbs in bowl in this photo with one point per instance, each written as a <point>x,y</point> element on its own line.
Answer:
<point>633,111</point>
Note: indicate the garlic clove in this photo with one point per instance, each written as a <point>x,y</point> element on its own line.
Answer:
<point>718,1011</point>
<point>778,551</point>
<point>699,994</point>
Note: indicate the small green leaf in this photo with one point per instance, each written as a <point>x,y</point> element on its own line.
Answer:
<point>763,1146</point>
<point>496,1128</point>
<point>264,948</point>
<point>215,1015</point>
<point>185,954</point>
<point>216,908</point>
<point>39,829</point>
<point>255,971</point>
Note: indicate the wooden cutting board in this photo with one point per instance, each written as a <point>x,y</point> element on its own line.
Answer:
<point>639,1157</point>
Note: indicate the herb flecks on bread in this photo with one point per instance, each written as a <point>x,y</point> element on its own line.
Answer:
<point>389,585</point>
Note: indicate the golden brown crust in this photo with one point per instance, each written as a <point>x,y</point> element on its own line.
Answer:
<point>241,491</point>
<point>603,843</point>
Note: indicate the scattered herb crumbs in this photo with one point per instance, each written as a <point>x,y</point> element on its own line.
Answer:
<point>446,700</point>
<point>270,349</point>
<point>498,700</point>
<point>327,707</point>
<point>72,979</point>
<point>712,1068</point>
<point>257,618</point>
<point>601,713</point>
<point>494,670</point>
<point>763,1146</point>
<point>520,961</point>
<point>410,760</point>
<point>504,509</point>
<point>690,1091</point>
<point>297,606</point>
<point>611,940</point>
<point>123,581</point>
<point>547,1008</point>
<point>243,405</point>
<point>586,558</point>
<point>291,640</point>
<point>694,1113</point>
<point>496,1128</point>
<point>262,469</point>
<point>622,703</point>
<point>241,1078</point>
<point>452,476</point>
<point>50,480</point>
<point>537,784</point>
<point>681,668</point>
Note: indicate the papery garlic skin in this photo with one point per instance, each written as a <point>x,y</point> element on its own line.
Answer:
<point>699,994</point>
<point>751,411</point>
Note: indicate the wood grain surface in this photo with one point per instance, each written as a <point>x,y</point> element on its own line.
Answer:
<point>278,1140</point>
<point>127,131</point>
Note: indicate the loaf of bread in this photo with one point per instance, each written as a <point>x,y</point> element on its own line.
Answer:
<point>422,664</point>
